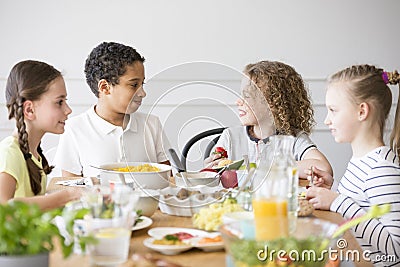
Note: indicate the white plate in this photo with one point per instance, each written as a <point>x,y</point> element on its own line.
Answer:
<point>143,224</point>
<point>208,246</point>
<point>160,232</point>
<point>166,249</point>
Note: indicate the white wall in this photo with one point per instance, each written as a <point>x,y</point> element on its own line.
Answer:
<point>316,37</point>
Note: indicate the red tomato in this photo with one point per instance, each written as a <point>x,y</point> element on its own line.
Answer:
<point>222,151</point>
<point>182,235</point>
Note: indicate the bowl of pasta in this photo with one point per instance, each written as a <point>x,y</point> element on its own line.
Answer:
<point>143,175</point>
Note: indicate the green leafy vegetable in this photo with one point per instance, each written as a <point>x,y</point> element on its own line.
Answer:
<point>171,237</point>
<point>25,229</point>
<point>139,217</point>
<point>246,253</point>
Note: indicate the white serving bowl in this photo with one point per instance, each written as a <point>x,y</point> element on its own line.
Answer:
<point>171,204</point>
<point>196,179</point>
<point>146,180</point>
<point>148,201</point>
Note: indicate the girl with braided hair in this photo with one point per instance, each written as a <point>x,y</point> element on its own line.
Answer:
<point>358,102</point>
<point>36,99</point>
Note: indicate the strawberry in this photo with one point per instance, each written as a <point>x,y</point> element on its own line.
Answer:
<point>229,179</point>
<point>220,150</point>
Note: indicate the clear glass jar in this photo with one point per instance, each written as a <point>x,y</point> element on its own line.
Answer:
<point>275,184</point>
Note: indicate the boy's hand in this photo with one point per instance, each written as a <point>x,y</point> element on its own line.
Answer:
<point>319,177</point>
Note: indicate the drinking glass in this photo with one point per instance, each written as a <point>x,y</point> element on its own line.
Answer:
<point>110,223</point>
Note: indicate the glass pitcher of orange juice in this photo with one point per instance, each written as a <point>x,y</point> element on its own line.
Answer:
<point>275,189</point>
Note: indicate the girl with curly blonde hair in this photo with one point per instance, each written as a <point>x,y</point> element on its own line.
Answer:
<point>274,101</point>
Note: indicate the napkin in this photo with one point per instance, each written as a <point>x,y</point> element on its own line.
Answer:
<point>85,181</point>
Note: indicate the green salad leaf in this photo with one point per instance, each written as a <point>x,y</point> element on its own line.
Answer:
<point>25,229</point>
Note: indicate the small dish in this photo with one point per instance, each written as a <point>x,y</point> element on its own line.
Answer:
<point>233,166</point>
<point>166,249</point>
<point>198,235</point>
<point>171,203</point>
<point>207,247</point>
<point>160,232</point>
<point>146,222</point>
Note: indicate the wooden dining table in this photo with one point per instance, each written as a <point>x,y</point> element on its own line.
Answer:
<point>194,257</point>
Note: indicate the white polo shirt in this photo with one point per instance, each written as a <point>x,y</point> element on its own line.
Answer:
<point>90,140</point>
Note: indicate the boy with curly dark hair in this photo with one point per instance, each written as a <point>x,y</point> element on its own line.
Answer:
<point>112,130</point>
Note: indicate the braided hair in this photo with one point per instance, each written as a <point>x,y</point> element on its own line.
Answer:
<point>367,83</point>
<point>29,80</point>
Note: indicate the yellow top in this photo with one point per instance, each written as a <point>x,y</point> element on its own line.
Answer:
<point>12,162</point>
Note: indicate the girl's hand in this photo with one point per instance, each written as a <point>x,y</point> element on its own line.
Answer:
<point>319,177</point>
<point>72,194</point>
<point>212,161</point>
<point>321,198</point>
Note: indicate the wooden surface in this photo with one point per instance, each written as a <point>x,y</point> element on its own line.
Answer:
<point>194,257</point>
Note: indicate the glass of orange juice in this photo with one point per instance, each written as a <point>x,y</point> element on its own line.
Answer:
<point>273,185</point>
<point>270,217</point>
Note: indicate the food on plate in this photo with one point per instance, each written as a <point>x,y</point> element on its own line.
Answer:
<point>224,156</point>
<point>210,218</point>
<point>224,162</point>
<point>173,239</point>
<point>184,194</point>
<point>208,240</point>
<point>139,168</point>
<point>138,217</point>
<point>168,240</point>
<point>306,208</point>
<point>221,151</point>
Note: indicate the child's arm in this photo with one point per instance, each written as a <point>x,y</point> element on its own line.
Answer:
<point>54,200</point>
<point>313,158</point>
<point>382,187</point>
<point>69,174</point>
<point>45,202</point>
<point>7,187</point>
